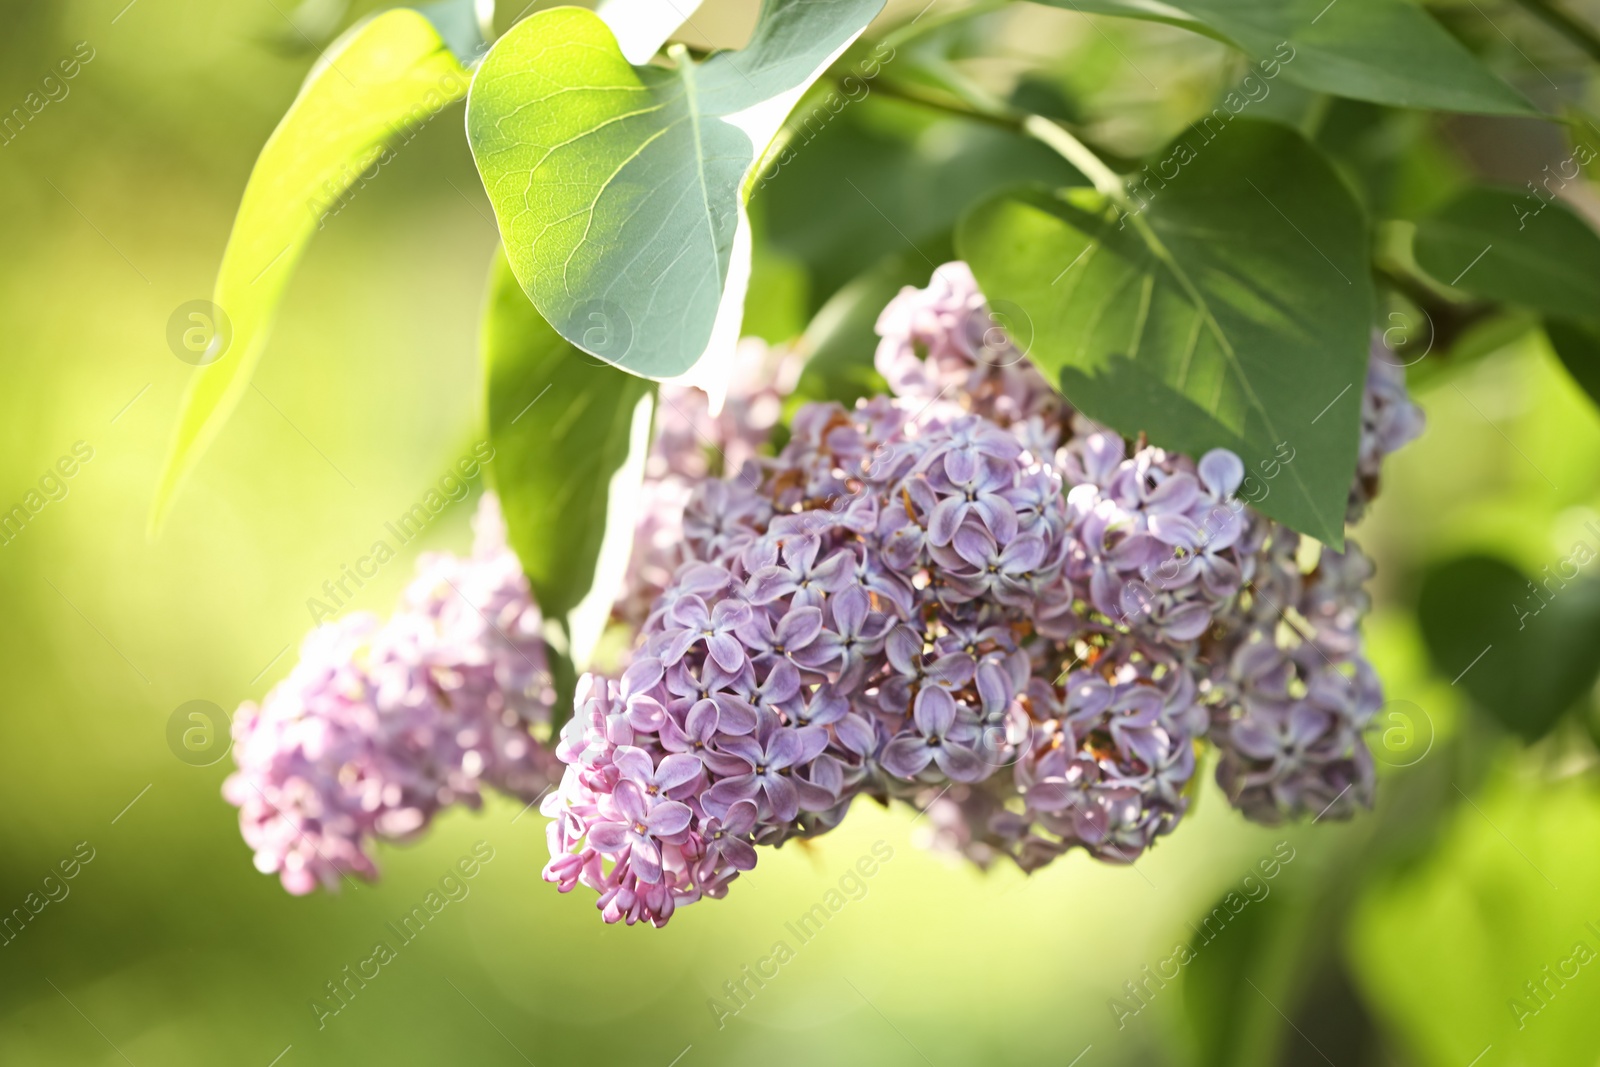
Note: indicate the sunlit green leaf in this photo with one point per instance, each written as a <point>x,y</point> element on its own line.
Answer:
<point>620,189</point>
<point>1231,312</point>
<point>1387,51</point>
<point>1516,247</point>
<point>382,78</point>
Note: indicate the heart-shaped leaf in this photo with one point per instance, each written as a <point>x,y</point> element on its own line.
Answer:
<point>620,189</point>
<point>1526,651</point>
<point>381,79</point>
<point>1386,51</point>
<point>1230,312</point>
<point>1515,247</point>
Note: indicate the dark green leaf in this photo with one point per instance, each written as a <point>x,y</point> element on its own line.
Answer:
<point>569,433</point>
<point>1525,651</point>
<point>842,339</point>
<point>1386,51</point>
<point>1515,247</point>
<point>1577,344</point>
<point>1231,312</point>
<point>887,178</point>
<point>619,189</point>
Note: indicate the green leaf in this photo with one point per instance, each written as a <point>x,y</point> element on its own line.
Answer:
<point>842,339</point>
<point>570,434</point>
<point>1231,312</point>
<point>620,189</point>
<point>1231,1023</point>
<point>775,303</point>
<point>886,177</point>
<point>465,26</point>
<point>1525,651</point>
<point>1386,51</point>
<point>1515,247</point>
<point>1445,951</point>
<point>1577,344</point>
<point>383,77</point>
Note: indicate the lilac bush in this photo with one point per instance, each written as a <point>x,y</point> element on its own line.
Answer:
<point>963,595</point>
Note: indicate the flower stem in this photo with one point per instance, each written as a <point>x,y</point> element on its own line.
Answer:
<point>1079,155</point>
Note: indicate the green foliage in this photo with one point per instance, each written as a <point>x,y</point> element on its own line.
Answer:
<point>886,177</point>
<point>563,425</point>
<point>1386,51</point>
<point>1445,952</point>
<point>840,343</point>
<point>462,26</point>
<point>1523,649</point>
<point>1230,309</point>
<point>1577,344</point>
<point>1513,247</point>
<point>620,189</point>
<point>1229,1026</point>
<point>382,78</point>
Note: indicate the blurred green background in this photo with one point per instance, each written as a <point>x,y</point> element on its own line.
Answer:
<point>1402,938</point>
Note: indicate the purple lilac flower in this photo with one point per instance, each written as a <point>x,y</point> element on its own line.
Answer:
<point>1161,542</point>
<point>381,725</point>
<point>962,595</point>
<point>944,346</point>
<point>1389,421</point>
<point>1290,702</point>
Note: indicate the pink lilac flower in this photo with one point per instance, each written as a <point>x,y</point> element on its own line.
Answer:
<point>381,725</point>
<point>691,445</point>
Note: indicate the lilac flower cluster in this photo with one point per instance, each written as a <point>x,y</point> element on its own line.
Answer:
<point>1290,691</point>
<point>690,445</point>
<point>847,621</point>
<point>964,595</point>
<point>380,726</point>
